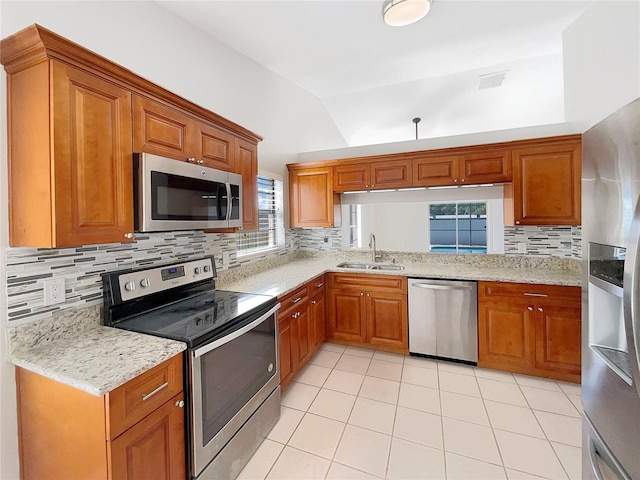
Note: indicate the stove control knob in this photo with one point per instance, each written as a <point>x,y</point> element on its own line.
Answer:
<point>198,321</point>
<point>196,270</point>
<point>145,282</point>
<point>130,286</point>
<point>207,268</point>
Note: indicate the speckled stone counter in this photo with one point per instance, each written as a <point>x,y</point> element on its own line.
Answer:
<point>282,279</point>
<point>76,350</point>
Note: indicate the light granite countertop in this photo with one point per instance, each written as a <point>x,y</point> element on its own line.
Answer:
<point>283,279</point>
<point>76,350</point>
<point>73,348</point>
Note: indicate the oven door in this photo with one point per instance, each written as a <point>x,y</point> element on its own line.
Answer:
<point>231,377</point>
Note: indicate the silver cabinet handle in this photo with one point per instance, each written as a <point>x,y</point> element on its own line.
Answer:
<point>200,162</point>
<point>297,300</point>
<point>180,403</point>
<point>430,286</point>
<point>517,222</point>
<point>318,285</point>
<point>530,309</point>
<point>145,397</point>
<point>455,180</point>
<point>128,235</point>
<point>540,309</point>
<point>313,302</point>
<point>191,160</point>
<point>527,294</point>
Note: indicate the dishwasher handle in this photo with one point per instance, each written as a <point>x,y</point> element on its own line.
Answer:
<point>431,286</point>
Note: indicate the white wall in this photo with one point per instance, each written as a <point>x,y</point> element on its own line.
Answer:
<point>148,40</point>
<point>601,61</point>
<point>155,44</point>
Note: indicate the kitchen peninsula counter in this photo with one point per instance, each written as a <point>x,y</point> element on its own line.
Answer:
<point>77,351</point>
<point>285,278</point>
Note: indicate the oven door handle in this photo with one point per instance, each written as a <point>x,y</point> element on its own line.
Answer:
<point>232,336</point>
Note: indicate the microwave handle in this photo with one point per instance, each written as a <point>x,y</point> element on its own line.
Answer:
<point>229,201</point>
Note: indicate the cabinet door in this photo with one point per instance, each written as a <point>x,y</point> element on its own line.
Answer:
<point>351,177</point>
<point>246,164</point>
<point>284,348</point>
<point>391,174</point>
<point>346,315</point>
<point>304,345</point>
<point>547,184</point>
<point>490,166</point>
<point>558,339</point>
<point>506,338</point>
<point>434,171</point>
<point>387,320</point>
<point>317,320</point>
<point>92,159</point>
<point>161,130</point>
<point>311,198</point>
<point>214,147</point>
<point>154,447</point>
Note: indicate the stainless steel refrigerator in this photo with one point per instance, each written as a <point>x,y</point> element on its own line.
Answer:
<point>611,305</point>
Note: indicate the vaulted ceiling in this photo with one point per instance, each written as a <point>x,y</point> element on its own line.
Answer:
<point>374,79</point>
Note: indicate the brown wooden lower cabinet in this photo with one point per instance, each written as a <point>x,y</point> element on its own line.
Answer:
<point>301,323</point>
<point>368,310</point>
<point>530,329</point>
<point>68,433</point>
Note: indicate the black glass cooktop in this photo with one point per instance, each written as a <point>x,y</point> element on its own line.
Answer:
<point>201,318</point>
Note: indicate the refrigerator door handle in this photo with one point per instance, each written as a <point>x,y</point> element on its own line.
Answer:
<point>596,466</point>
<point>631,296</point>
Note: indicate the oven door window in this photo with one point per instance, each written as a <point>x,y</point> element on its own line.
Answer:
<point>233,373</point>
<point>174,197</point>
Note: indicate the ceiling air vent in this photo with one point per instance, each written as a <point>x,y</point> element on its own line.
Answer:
<point>492,80</point>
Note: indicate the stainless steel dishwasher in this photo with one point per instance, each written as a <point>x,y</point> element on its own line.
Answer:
<point>443,319</point>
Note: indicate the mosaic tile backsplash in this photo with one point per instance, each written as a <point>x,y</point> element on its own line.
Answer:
<point>81,267</point>
<point>562,242</point>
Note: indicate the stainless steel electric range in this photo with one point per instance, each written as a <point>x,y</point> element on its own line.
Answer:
<point>231,362</point>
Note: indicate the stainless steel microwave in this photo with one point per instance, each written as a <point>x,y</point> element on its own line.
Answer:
<point>179,195</point>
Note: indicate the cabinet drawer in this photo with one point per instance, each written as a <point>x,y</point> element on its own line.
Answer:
<point>317,285</point>
<point>293,302</point>
<point>372,283</point>
<point>137,398</point>
<point>489,291</point>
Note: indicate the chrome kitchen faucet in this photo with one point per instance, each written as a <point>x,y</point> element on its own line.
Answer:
<point>372,244</point>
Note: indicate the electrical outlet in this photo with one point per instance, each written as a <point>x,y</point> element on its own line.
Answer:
<point>54,291</point>
<point>226,258</point>
<point>522,247</point>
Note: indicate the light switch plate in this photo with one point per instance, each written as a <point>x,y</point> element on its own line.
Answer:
<point>226,258</point>
<point>522,247</point>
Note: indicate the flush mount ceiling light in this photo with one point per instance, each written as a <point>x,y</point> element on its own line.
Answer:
<point>398,13</point>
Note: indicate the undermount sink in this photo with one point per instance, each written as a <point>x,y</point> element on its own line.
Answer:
<point>370,266</point>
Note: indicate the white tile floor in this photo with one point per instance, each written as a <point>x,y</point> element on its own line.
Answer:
<point>353,413</point>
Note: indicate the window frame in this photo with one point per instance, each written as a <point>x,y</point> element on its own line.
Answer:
<point>249,243</point>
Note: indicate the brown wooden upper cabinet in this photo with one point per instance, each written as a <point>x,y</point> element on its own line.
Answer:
<point>546,187</point>
<point>167,132</point>
<point>75,119</point>
<point>246,164</point>
<point>483,166</point>
<point>70,165</point>
<point>372,175</point>
<point>312,202</point>
<point>161,130</point>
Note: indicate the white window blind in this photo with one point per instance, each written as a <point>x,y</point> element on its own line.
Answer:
<point>270,233</point>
